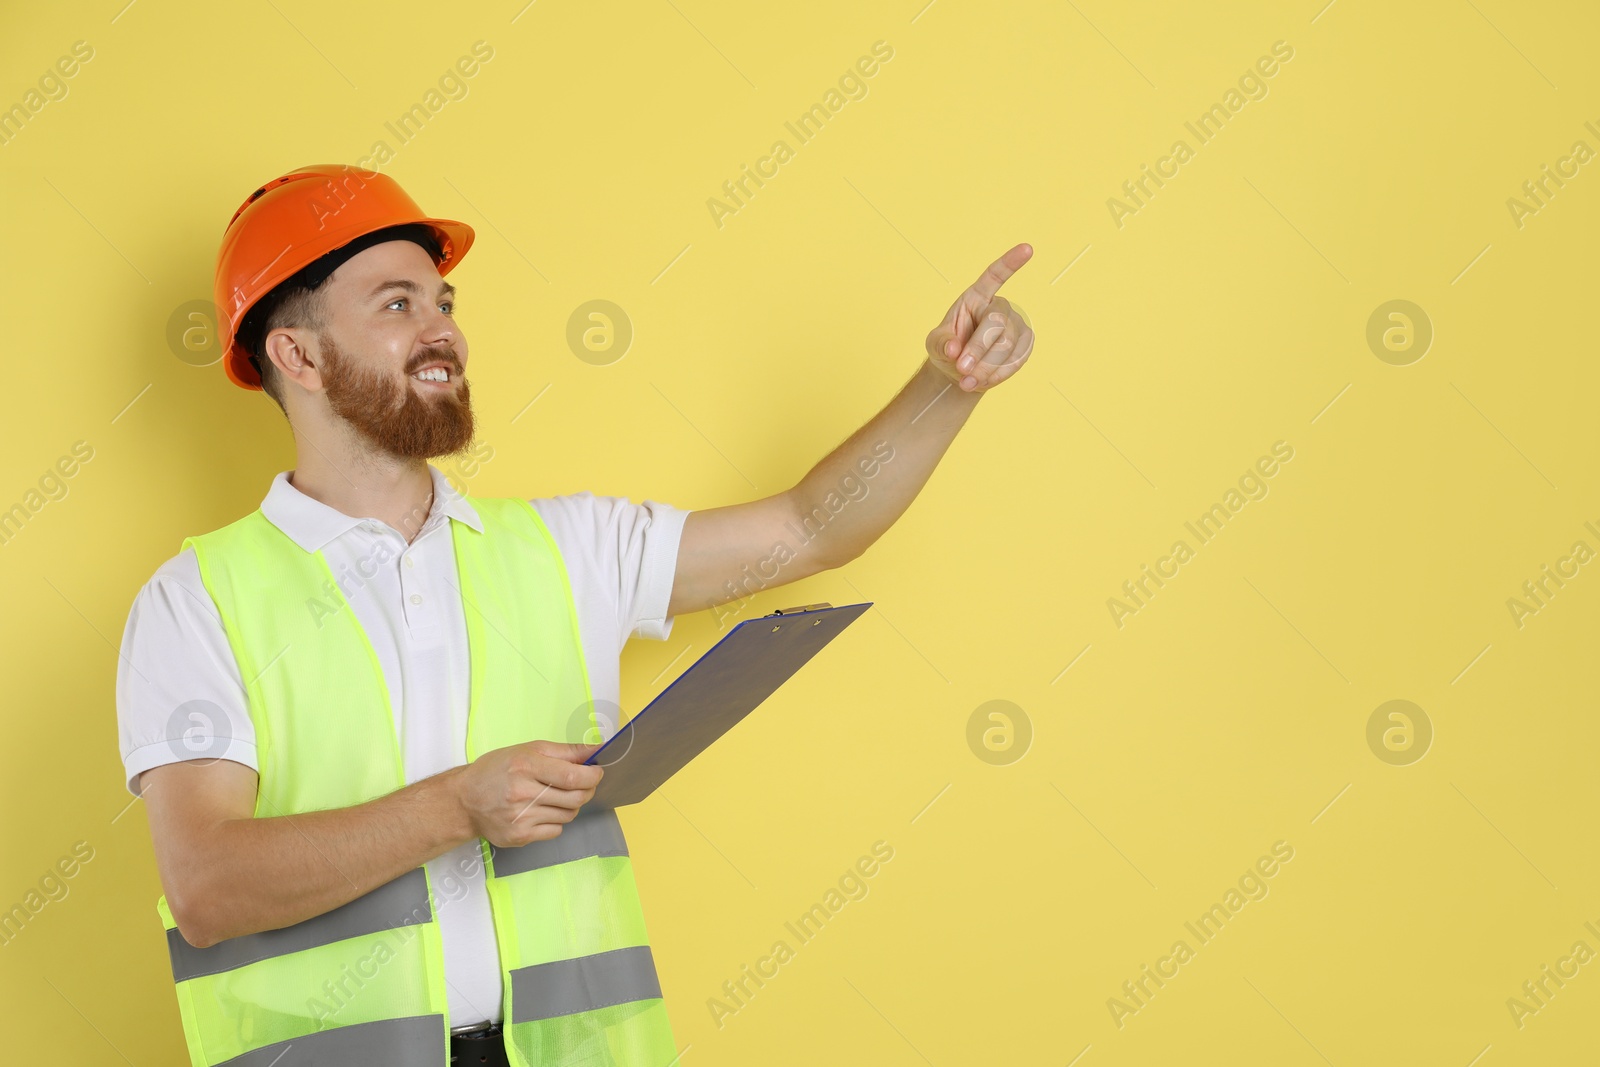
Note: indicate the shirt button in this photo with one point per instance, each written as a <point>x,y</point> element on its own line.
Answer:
<point>416,598</point>
<point>410,562</point>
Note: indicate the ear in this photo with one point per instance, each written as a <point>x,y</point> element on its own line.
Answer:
<point>289,349</point>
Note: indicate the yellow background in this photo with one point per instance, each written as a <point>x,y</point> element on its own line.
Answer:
<point>1229,313</point>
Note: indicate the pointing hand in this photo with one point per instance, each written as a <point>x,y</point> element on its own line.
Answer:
<point>982,340</point>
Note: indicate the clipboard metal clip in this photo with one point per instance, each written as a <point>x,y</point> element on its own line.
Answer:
<point>796,611</point>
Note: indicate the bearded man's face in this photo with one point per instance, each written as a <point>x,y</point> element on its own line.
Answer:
<point>392,297</point>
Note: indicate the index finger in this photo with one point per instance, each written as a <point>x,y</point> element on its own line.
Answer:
<point>992,279</point>
<point>572,775</point>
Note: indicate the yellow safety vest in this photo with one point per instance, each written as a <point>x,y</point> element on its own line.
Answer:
<point>363,984</point>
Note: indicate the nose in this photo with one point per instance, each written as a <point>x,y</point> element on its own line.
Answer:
<point>443,332</point>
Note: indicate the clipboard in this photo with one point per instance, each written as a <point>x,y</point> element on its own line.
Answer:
<point>730,681</point>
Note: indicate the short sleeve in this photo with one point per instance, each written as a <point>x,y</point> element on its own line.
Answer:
<point>621,554</point>
<point>179,692</point>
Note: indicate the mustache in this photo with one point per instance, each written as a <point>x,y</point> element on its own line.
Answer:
<point>438,355</point>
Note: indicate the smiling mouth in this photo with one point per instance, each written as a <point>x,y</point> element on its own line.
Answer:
<point>438,377</point>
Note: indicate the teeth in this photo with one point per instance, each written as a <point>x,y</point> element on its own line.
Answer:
<point>435,374</point>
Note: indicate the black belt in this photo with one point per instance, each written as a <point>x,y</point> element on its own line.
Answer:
<point>483,1047</point>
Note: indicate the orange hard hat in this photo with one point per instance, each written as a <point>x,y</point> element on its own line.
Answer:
<point>293,221</point>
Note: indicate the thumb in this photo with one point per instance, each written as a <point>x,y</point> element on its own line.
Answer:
<point>939,342</point>
<point>957,327</point>
<point>566,750</point>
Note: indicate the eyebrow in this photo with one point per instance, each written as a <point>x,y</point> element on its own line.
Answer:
<point>409,286</point>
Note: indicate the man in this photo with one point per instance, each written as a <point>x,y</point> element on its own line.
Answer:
<point>358,716</point>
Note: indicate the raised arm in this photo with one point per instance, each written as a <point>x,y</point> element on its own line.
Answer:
<point>861,488</point>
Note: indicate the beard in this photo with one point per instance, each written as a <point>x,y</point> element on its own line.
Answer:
<point>390,414</point>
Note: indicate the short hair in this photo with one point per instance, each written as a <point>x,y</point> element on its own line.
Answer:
<point>289,304</point>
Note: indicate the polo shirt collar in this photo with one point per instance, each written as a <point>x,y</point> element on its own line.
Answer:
<point>311,524</point>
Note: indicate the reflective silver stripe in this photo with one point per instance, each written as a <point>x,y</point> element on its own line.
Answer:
<point>416,1041</point>
<point>402,902</point>
<point>590,834</point>
<point>546,990</point>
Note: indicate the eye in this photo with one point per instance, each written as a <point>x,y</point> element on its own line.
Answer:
<point>449,306</point>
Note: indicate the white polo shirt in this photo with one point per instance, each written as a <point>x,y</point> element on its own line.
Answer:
<point>180,694</point>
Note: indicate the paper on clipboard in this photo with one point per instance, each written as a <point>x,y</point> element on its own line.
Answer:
<point>730,681</point>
